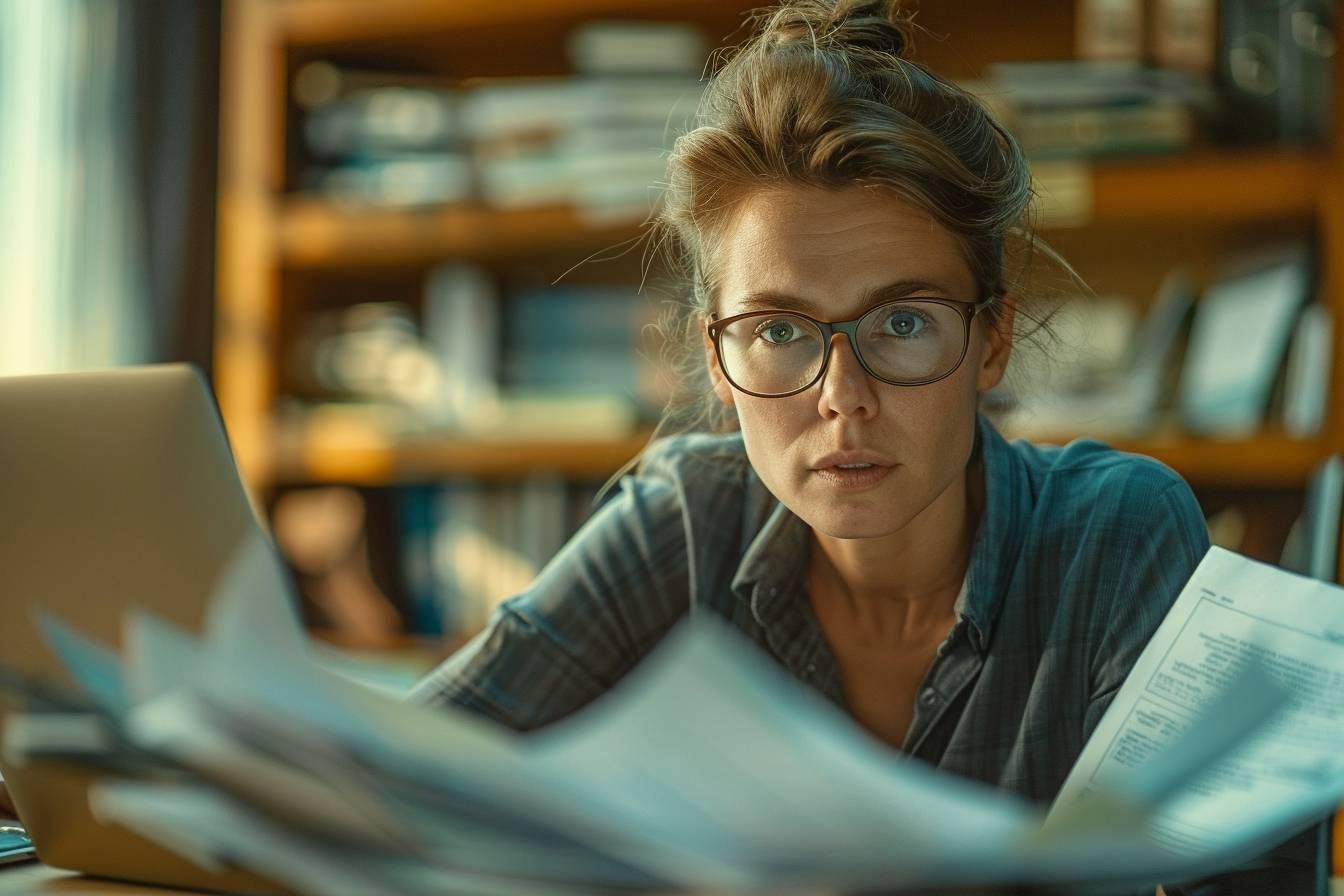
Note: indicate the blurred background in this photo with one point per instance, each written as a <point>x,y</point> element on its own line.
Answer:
<point>398,236</point>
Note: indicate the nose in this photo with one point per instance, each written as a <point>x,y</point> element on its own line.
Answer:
<point>846,388</point>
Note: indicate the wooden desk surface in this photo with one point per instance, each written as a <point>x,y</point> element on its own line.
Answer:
<point>35,878</point>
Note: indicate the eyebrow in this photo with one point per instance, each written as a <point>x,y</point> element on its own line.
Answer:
<point>767,300</point>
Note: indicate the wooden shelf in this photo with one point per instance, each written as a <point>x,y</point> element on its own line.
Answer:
<point>315,234</point>
<point>1212,197</point>
<point>319,23</point>
<point>1223,188</point>
<point>375,461</point>
<point>1268,460</point>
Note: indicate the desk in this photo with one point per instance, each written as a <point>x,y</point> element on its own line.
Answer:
<point>36,878</point>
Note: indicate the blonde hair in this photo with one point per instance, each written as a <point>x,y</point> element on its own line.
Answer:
<point>823,94</point>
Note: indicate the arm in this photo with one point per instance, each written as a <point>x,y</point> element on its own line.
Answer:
<point>596,609</point>
<point>1159,564</point>
<point>1149,565</point>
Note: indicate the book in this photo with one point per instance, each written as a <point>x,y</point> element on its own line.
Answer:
<point>1090,109</point>
<point>1185,35</point>
<point>384,120</point>
<point>1238,342</point>
<point>622,48</point>
<point>399,180</point>
<point>1323,519</point>
<point>1109,29</point>
<point>1307,381</point>
<point>1275,70</point>
<point>461,323</point>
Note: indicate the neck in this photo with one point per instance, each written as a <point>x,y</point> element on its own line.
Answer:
<point>905,583</point>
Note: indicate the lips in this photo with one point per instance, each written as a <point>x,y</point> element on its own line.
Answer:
<point>851,458</point>
<point>852,478</point>
<point>853,470</point>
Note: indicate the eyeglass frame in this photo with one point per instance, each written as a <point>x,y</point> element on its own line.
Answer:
<point>967,310</point>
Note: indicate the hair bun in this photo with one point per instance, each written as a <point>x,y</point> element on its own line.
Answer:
<point>875,25</point>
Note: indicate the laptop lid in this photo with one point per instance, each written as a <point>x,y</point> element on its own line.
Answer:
<point>117,489</point>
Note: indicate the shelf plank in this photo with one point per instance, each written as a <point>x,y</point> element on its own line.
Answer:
<point>321,23</point>
<point>316,234</point>
<point>1268,460</point>
<point>1216,188</point>
<point>1212,187</point>
<point>372,461</point>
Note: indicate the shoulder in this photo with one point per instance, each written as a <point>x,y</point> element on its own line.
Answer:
<point>683,484</point>
<point>1109,534</point>
<point>1087,483</point>
<point>1108,539</point>
<point>695,456</point>
<point>1116,536</point>
<point>704,474</point>
<point>721,503</point>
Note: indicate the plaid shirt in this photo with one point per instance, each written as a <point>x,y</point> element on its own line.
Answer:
<point>1080,552</point>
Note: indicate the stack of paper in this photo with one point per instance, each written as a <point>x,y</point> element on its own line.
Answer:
<point>707,768</point>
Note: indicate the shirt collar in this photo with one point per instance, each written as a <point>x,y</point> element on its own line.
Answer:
<point>772,568</point>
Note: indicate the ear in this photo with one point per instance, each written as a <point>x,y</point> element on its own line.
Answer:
<point>998,346</point>
<point>722,388</point>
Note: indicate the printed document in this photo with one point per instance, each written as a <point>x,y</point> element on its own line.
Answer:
<point>1233,613</point>
<point>707,767</point>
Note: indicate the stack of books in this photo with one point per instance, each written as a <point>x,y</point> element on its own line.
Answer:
<point>595,139</point>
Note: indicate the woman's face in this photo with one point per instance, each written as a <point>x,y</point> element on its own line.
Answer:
<point>824,252</point>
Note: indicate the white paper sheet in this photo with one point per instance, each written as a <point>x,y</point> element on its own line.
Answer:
<point>710,767</point>
<point>95,667</point>
<point>1232,612</point>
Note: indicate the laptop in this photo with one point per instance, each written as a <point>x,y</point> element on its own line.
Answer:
<point>117,488</point>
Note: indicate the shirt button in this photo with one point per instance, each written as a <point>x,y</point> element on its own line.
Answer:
<point>774,592</point>
<point>811,667</point>
<point>928,698</point>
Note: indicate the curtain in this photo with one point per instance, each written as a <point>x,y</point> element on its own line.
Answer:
<point>107,147</point>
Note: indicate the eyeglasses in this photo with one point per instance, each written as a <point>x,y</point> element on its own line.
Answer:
<point>909,342</point>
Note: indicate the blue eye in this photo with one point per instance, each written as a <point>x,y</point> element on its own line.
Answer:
<point>906,322</point>
<point>778,332</point>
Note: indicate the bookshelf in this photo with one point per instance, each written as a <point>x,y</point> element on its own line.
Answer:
<point>325,23</point>
<point>1278,185</point>
<point>1271,185</point>
<point>369,458</point>
<point>275,242</point>
<point>269,239</point>
<point>1268,460</point>
<point>318,235</point>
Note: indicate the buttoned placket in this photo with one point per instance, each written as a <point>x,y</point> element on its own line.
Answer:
<point>956,664</point>
<point>795,637</point>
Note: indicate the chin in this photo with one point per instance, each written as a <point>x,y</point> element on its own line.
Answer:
<point>847,522</point>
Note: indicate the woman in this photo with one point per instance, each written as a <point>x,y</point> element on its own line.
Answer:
<point>846,221</point>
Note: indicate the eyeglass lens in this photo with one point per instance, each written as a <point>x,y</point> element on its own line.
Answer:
<point>901,342</point>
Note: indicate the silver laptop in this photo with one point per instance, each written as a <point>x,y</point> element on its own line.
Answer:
<point>117,488</point>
